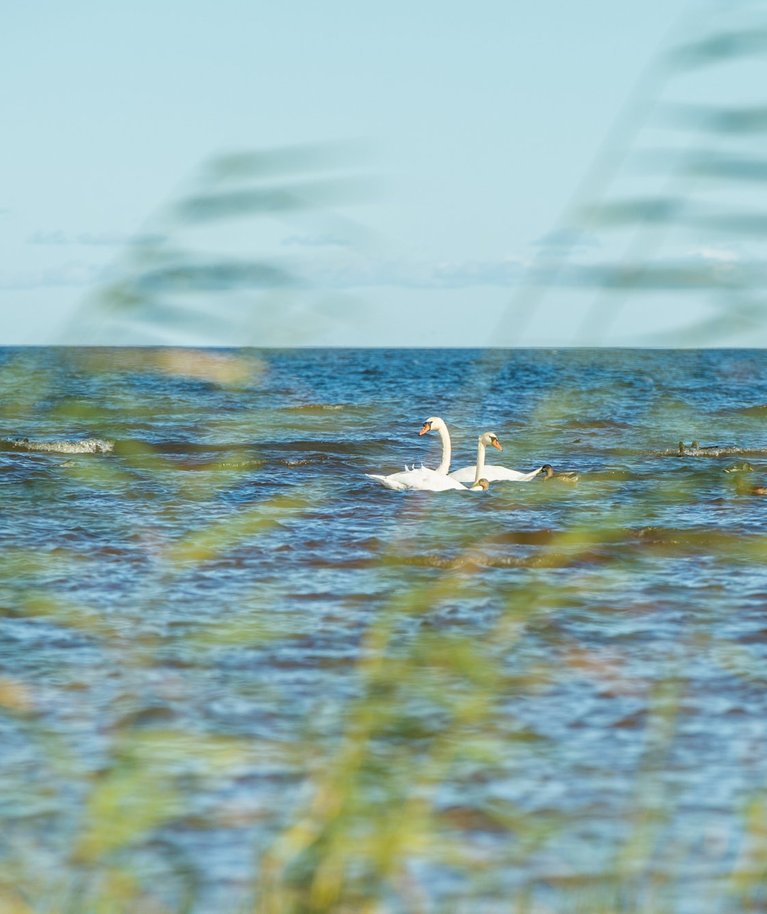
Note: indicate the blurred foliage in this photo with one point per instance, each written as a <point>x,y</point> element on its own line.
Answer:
<point>191,273</point>
<point>385,797</point>
<point>675,202</point>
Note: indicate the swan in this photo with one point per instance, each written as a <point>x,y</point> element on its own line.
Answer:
<point>490,472</point>
<point>424,478</point>
<point>567,476</point>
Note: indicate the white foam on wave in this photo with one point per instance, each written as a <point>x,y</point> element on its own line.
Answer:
<point>83,446</point>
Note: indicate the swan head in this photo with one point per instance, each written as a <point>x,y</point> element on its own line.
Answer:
<point>432,424</point>
<point>490,439</point>
<point>547,471</point>
<point>481,485</point>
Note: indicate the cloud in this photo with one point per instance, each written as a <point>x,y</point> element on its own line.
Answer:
<point>356,271</point>
<point>719,254</point>
<point>72,273</point>
<point>315,241</point>
<point>567,239</point>
<point>109,239</point>
<point>87,239</point>
<point>47,236</point>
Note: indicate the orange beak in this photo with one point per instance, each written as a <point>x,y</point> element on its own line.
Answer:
<point>426,428</point>
<point>497,443</point>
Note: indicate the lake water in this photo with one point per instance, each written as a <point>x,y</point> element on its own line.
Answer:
<point>238,675</point>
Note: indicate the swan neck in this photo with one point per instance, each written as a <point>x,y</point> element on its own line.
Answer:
<point>444,435</point>
<point>480,462</point>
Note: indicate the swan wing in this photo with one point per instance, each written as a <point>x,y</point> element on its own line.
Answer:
<point>422,479</point>
<point>494,473</point>
<point>439,482</point>
<point>391,482</point>
<point>465,474</point>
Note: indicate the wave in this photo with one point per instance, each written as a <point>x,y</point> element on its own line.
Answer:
<point>82,446</point>
<point>714,450</point>
<point>235,455</point>
<point>760,410</point>
<point>316,407</point>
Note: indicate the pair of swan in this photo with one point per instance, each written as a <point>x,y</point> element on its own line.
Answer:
<point>441,479</point>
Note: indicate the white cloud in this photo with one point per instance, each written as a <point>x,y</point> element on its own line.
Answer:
<point>355,271</point>
<point>49,236</point>
<point>567,240</point>
<point>314,241</point>
<point>87,239</point>
<point>72,273</point>
<point>722,255</point>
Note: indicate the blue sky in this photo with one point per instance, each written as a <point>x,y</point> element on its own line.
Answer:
<point>475,122</point>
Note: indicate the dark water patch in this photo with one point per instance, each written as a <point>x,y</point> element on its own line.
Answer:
<point>754,637</point>
<point>317,407</point>
<point>610,424</point>
<point>545,537</point>
<point>618,474</point>
<point>705,539</point>
<point>478,559</point>
<point>759,411</point>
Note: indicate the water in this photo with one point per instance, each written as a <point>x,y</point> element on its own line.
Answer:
<point>218,636</point>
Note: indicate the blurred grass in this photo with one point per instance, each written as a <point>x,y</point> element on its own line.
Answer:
<point>370,822</point>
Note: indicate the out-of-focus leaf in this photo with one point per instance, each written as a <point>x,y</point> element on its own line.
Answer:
<point>12,900</point>
<point>632,212</point>
<point>740,223</point>
<point>728,323</point>
<point>217,538</point>
<point>268,163</point>
<point>719,121</point>
<point>202,753</point>
<point>650,277</point>
<point>727,168</point>
<point>241,632</point>
<point>719,47</point>
<point>122,808</point>
<point>292,198</point>
<point>213,277</point>
<point>87,620</point>
<point>15,696</point>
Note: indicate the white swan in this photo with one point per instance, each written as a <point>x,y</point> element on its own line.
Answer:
<point>425,479</point>
<point>491,472</point>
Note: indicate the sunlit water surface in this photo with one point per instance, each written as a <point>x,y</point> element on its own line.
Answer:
<point>216,574</point>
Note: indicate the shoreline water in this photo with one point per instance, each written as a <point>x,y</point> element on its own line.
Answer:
<point>265,667</point>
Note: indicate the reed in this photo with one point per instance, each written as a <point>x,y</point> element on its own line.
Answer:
<point>379,798</point>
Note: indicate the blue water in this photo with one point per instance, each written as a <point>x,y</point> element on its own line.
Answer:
<point>202,594</point>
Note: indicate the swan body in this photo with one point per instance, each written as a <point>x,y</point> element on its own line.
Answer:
<point>491,472</point>
<point>423,478</point>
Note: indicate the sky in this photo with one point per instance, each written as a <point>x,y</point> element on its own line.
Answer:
<point>462,132</point>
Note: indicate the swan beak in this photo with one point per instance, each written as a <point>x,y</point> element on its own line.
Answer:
<point>426,428</point>
<point>496,443</point>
